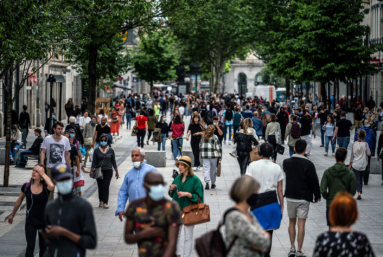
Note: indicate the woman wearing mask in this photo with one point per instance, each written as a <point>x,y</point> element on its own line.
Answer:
<point>142,128</point>
<point>271,132</point>
<point>195,130</point>
<point>211,153</point>
<point>293,131</point>
<point>186,189</point>
<point>241,225</point>
<point>177,127</point>
<point>202,113</point>
<point>104,158</point>
<point>89,130</point>
<point>164,132</point>
<point>16,141</point>
<point>359,160</point>
<point>152,123</point>
<point>116,120</point>
<point>329,128</point>
<point>36,193</point>
<point>72,125</point>
<point>129,114</point>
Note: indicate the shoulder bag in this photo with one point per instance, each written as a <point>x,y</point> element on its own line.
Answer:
<point>97,172</point>
<point>195,214</point>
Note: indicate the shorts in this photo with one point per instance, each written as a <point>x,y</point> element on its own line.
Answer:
<point>328,216</point>
<point>76,190</point>
<point>298,210</point>
<point>358,123</point>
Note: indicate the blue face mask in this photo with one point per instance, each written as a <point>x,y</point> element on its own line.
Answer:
<point>156,192</point>
<point>14,131</point>
<point>53,116</point>
<point>103,143</point>
<point>71,135</point>
<point>65,187</point>
<point>164,119</point>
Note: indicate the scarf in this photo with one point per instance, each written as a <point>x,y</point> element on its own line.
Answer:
<point>104,151</point>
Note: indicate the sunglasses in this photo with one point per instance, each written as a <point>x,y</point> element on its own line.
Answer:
<point>104,140</point>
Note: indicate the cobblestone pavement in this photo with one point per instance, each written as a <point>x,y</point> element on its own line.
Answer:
<point>110,229</point>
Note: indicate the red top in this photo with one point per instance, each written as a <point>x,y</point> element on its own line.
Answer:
<point>178,130</point>
<point>141,121</point>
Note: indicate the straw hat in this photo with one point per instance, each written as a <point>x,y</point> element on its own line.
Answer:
<point>184,160</point>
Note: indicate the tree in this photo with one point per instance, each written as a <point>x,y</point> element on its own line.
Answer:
<point>157,58</point>
<point>28,34</point>
<point>269,77</point>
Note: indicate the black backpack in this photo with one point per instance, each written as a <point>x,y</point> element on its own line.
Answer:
<point>229,114</point>
<point>209,115</point>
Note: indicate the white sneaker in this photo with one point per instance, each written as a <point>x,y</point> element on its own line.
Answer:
<point>326,154</point>
<point>224,142</point>
<point>199,167</point>
<point>195,168</point>
<point>229,142</point>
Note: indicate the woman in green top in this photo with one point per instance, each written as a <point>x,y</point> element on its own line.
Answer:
<point>152,123</point>
<point>186,189</point>
<point>157,109</point>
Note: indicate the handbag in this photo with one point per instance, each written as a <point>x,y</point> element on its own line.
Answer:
<point>115,119</point>
<point>280,149</point>
<point>195,214</point>
<point>216,153</point>
<point>254,156</point>
<point>134,131</point>
<point>219,169</point>
<point>97,173</point>
<point>278,137</point>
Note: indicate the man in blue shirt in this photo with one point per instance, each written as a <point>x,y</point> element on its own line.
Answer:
<point>257,124</point>
<point>247,113</point>
<point>132,188</point>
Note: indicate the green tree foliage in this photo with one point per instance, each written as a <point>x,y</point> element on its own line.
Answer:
<point>157,58</point>
<point>268,77</point>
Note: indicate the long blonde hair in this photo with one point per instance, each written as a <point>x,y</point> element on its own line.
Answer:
<point>247,123</point>
<point>209,132</point>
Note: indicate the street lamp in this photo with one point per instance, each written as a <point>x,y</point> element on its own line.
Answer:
<point>52,80</point>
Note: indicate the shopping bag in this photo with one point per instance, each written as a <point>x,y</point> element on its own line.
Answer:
<point>254,156</point>
<point>91,154</point>
<point>219,169</point>
<point>280,149</point>
<point>278,137</point>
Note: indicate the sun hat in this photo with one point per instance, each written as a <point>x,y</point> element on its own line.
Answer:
<point>184,160</point>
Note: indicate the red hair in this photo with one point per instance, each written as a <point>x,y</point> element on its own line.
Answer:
<point>343,210</point>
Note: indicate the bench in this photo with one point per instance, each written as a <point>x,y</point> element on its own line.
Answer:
<point>156,158</point>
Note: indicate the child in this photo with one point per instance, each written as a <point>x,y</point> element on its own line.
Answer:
<point>78,179</point>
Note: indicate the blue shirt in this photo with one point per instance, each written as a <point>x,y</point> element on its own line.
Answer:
<point>132,187</point>
<point>247,114</point>
<point>329,129</point>
<point>237,119</point>
<point>257,125</point>
<point>227,122</point>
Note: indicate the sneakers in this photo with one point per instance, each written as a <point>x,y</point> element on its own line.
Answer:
<point>101,204</point>
<point>195,168</point>
<point>292,252</point>
<point>229,142</point>
<point>106,206</point>
<point>326,154</point>
<point>207,186</point>
<point>301,254</point>
<point>213,186</point>
<point>233,155</point>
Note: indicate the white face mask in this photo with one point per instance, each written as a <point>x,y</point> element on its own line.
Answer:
<point>136,164</point>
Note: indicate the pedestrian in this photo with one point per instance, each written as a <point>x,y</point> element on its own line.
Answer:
<point>77,114</point>
<point>104,158</point>
<point>101,129</point>
<point>329,128</point>
<point>34,150</point>
<point>359,160</point>
<point>84,105</point>
<point>293,131</point>
<point>177,127</point>
<point>283,120</point>
<point>301,185</point>
<point>116,120</point>
<point>36,192</point>
<point>236,120</point>
<point>186,189</point>
<point>314,115</point>
<point>76,127</point>
<point>78,179</point>
<point>272,130</point>
<point>56,147</point>
<point>336,179</point>
<point>70,227</point>
<point>25,121</point>
<point>211,153</point>
<point>270,177</point>
<point>164,132</point>
<point>102,115</point>
<point>218,131</point>
<point>195,130</point>
<point>84,120</point>
<point>247,113</point>
<point>16,141</point>
<point>142,128</point>
<point>129,112</point>
<point>89,131</point>
<point>342,131</point>
<point>164,106</point>
<point>370,138</point>
<point>73,152</point>
<point>307,125</point>
<point>49,124</point>
<point>341,240</point>
<point>358,116</point>
<point>323,113</point>
<point>153,221</point>
<point>266,119</point>
<point>152,123</point>
<point>240,223</point>
<point>243,141</point>
<point>372,123</point>
<point>157,109</point>
<point>257,124</point>
<point>379,155</point>
<point>122,110</point>
<point>69,108</point>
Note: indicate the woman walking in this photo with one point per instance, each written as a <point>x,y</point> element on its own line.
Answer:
<point>270,135</point>
<point>69,108</point>
<point>243,141</point>
<point>283,120</point>
<point>89,130</point>
<point>185,190</point>
<point>211,153</point>
<point>104,158</point>
<point>36,192</point>
<point>293,131</point>
<point>142,128</point>
<point>129,114</point>
<point>164,132</point>
<point>16,141</point>
<point>152,123</point>
<point>177,127</point>
<point>329,128</point>
<point>122,110</point>
<point>116,120</point>
<point>195,130</point>
<point>359,160</point>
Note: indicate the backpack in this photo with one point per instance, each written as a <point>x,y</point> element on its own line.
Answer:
<point>212,243</point>
<point>229,114</point>
<point>295,131</point>
<point>266,119</point>
<point>209,115</point>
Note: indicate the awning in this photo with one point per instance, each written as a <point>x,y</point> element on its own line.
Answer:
<point>59,78</point>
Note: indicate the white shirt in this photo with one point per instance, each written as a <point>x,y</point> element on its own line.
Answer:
<point>55,150</point>
<point>80,177</point>
<point>182,110</point>
<point>267,173</point>
<point>18,138</point>
<point>84,121</point>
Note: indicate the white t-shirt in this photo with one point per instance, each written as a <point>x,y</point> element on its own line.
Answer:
<point>267,173</point>
<point>80,177</point>
<point>55,150</point>
<point>84,121</point>
<point>182,110</point>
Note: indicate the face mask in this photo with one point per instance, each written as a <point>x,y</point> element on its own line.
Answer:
<point>252,200</point>
<point>103,123</point>
<point>103,143</point>
<point>14,131</point>
<point>71,135</point>
<point>53,116</point>
<point>164,119</point>
<point>157,192</point>
<point>136,164</point>
<point>65,187</point>
<point>215,123</point>
<point>93,123</point>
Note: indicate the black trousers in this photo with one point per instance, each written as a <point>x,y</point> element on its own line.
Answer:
<point>194,143</point>
<point>150,133</point>
<point>366,174</point>
<point>267,253</point>
<point>263,132</point>
<point>243,160</point>
<point>140,137</point>
<point>283,132</point>
<point>272,140</point>
<point>103,185</point>
<point>30,236</point>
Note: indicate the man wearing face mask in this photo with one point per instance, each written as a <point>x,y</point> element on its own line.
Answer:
<point>132,187</point>
<point>49,124</point>
<point>153,221</point>
<point>70,227</point>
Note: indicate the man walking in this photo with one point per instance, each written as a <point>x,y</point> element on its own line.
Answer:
<point>342,131</point>
<point>301,185</point>
<point>358,116</point>
<point>323,118</point>
<point>337,178</point>
<point>306,125</point>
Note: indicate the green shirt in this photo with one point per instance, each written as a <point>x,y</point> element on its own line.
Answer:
<point>156,110</point>
<point>191,185</point>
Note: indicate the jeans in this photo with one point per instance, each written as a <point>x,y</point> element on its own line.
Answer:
<point>359,179</point>
<point>366,174</point>
<point>291,150</point>
<point>103,185</point>
<point>194,143</point>
<point>163,142</point>
<point>188,243</point>
<point>23,153</point>
<point>243,160</point>
<point>210,170</point>
<point>343,142</point>
<point>175,146</point>
<point>14,150</point>
<point>87,154</point>
<point>128,120</point>
<point>272,140</point>
<point>236,129</point>
<point>322,133</point>
<point>328,140</point>
<point>171,108</point>
<point>123,118</point>
<point>140,137</point>
<point>225,131</point>
<point>30,236</point>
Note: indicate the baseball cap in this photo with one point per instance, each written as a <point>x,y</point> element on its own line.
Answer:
<point>61,171</point>
<point>71,130</point>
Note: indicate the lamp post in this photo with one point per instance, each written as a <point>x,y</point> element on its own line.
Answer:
<point>52,80</point>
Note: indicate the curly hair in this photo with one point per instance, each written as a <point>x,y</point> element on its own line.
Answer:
<point>209,132</point>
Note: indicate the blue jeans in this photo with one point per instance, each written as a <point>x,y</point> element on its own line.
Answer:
<point>225,131</point>
<point>359,177</point>
<point>322,134</point>
<point>23,153</point>
<point>14,150</point>
<point>163,142</point>
<point>291,150</point>
<point>128,120</point>
<point>328,140</point>
<point>343,141</point>
<point>175,145</point>
<point>171,108</point>
<point>236,129</point>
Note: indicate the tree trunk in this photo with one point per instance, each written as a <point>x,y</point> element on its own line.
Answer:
<point>337,92</point>
<point>151,83</point>
<point>92,77</point>
<point>307,91</point>
<point>287,87</point>
<point>323,92</point>
<point>212,79</point>
<point>8,129</point>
